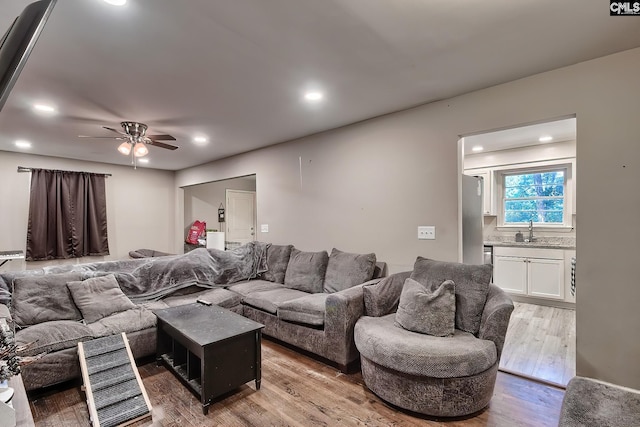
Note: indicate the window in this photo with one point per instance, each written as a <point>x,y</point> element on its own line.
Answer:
<point>535,195</point>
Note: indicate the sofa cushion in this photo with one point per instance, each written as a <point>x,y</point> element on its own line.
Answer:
<point>99,297</point>
<point>382,298</point>
<point>277,261</point>
<point>52,336</point>
<point>269,301</point>
<point>38,299</point>
<point>308,309</point>
<point>345,270</point>
<point>136,319</point>
<point>427,311</point>
<point>472,287</point>
<point>306,271</point>
<point>245,288</point>
<point>461,355</point>
<point>220,297</point>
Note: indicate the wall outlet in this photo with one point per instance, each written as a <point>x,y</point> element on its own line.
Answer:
<point>427,232</point>
<point>264,228</point>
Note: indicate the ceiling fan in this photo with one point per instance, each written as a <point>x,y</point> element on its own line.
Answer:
<point>136,140</point>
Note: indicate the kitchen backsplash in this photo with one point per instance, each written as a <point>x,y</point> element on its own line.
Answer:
<point>490,231</point>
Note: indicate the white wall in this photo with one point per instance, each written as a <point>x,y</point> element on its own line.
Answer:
<point>201,202</point>
<point>139,201</point>
<point>366,187</point>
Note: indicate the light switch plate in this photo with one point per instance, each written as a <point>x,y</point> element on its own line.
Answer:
<point>426,232</point>
<point>264,228</point>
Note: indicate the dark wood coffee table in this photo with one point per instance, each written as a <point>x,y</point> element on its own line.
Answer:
<point>210,349</point>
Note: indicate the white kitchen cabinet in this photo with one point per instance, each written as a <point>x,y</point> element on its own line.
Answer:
<point>546,278</point>
<point>488,188</point>
<point>530,271</point>
<point>510,273</point>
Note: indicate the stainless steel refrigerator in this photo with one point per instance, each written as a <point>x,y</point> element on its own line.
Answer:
<point>472,220</point>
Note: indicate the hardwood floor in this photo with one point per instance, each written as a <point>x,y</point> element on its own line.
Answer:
<point>299,391</point>
<point>541,343</point>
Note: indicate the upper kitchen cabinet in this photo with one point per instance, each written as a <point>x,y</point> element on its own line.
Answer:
<point>488,206</point>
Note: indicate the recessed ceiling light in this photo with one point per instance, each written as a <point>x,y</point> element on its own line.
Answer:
<point>116,2</point>
<point>313,96</point>
<point>545,138</point>
<point>44,108</point>
<point>143,160</point>
<point>477,148</point>
<point>21,143</point>
<point>200,140</point>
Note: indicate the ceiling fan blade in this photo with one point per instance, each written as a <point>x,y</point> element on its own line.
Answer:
<point>163,137</point>
<point>101,137</point>
<point>162,145</point>
<point>114,130</point>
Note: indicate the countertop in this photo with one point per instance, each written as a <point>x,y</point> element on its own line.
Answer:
<point>540,242</point>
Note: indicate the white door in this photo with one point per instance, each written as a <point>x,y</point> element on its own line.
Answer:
<point>241,217</point>
<point>546,278</point>
<point>510,274</point>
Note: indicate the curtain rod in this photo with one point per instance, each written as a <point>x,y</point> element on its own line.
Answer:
<point>23,169</point>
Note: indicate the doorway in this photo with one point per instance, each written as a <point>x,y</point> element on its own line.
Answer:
<point>241,217</point>
<point>529,218</point>
<point>203,201</point>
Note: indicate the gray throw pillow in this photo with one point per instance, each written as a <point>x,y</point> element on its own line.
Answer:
<point>382,298</point>
<point>346,270</point>
<point>427,311</point>
<point>38,299</point>
<point>277,261</point>
<point>472,287</point>
<point>99,297</point>
<point>306,270</point>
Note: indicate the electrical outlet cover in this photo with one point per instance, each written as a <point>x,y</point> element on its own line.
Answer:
<point>426,232</point>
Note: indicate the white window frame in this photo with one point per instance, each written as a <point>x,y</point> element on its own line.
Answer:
<point>567,220</point>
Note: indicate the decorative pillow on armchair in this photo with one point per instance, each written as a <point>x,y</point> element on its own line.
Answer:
<point>472,287</point>
<point>277,261</point>
<point>427,311</point>
<point>99,297</point>
<point>306,270</point>
<point>38,299</point>
<point>346,270</point>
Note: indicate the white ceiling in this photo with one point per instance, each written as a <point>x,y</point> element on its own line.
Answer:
<point>235,70</point>
<point>559,130</point>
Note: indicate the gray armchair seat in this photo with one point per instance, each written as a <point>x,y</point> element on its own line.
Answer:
<point>462,355</point>
<point>446,376</point>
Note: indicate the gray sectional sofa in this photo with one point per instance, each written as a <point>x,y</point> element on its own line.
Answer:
<point>310,300</point>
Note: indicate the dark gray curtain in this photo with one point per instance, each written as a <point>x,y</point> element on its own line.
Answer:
<point>67,215</point>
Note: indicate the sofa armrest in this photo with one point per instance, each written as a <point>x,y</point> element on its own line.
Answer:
<point>4,312</point>
<point>342,311</point>
<point>495,317</point>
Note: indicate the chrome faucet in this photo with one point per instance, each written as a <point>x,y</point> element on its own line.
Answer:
<point>531,230</point>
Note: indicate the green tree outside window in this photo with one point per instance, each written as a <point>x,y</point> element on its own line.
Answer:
<point>536,196</point>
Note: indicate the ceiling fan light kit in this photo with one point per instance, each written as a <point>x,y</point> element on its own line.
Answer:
<point>140,149</point>
<point>125,148</point>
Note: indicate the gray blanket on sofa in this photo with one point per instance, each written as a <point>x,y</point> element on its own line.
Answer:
<point>149,279</point>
